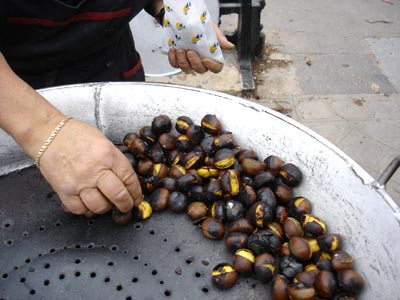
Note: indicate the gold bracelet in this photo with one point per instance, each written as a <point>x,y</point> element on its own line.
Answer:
<point>50,139</point>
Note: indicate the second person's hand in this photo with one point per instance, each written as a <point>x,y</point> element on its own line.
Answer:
<point>189,61</point>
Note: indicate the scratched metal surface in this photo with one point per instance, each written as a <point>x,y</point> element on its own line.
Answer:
<point>342,193</point>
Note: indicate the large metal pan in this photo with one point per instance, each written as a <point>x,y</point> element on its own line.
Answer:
<point>343,194</point>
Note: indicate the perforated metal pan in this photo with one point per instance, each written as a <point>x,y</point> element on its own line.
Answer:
<point>46,254</point>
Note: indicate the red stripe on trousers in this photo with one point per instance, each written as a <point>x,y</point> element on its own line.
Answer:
<point>133,71</point>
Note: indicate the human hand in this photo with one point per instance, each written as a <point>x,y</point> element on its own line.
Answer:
<point>88,172</point>
<point>189,60</point>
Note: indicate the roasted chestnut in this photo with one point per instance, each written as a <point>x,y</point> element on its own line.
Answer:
<point>191,160</point>
<point>283,193</point>
<point>260,214</point>
<point>301,248</point>
<point>224,276</point>
<point>313,225</point>
<point>185,182</point>
<point>128,138</point>
<point>241,225</point>
<point>178,202</point>
<point>230,182</point>
<point>159,199</point>
<point>211,124</point>
<point>306,278</point>
<point>252,167</point>
<point>281,214</point>
<point>299,206</point>
<point>218,210</point>
<point>143,211</point>
<point>168,183</point>
<point>176,171</point>
<point>195,134</point>
<point>147,135</point>
<point>280,285</point>
<point>156,154</point>
<point>329,242</point>
<point>290,266</point>
<point>207,172</point>
<point>298,291</point>
<point>341,260</point>
<point>292,228</point>
<point>325,284</point>
<point>120,217</point>
<point>139,148</point>
<point>264,240</point>
<point>145,167</point>
<point>213,228</point>
<point>323,261</point>
<point>264,179</point>
<point>197,210</point>
<point>196,193</point>
<point>224,140</point>
<point>350,281</point>
<point>213,190</point>
<point>243,261</point>
<point>234,210</point>
<point>182,124</point>
<point>174,157</point>
<point>247,196</point>
<point>149,184</point>
<point>265,267</point>
<point>274,164</point>
<point>167,141</point>
<point>247,153</point>
<point>160,170</point>
<point>161,124</point>
<point>183,143</point>
<point>235,241</point>
<point>224,158</point>
<point>266,196</point>
<point>291,175</point>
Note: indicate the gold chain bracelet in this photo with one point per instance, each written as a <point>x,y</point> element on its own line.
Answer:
<point>50,139</point>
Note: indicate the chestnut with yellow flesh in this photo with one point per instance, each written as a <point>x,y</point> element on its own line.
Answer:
<point>224,276</point>
<point>330,242</point>
<point>230,182</point>
<point>325,284</point>
<point>182,124</point>
<point>265,267</point>
<point>313,225</point>
<point>224,158</point>
<point>243,262</point>
<point>207,172</point>
<point>211,124</point>
<point>302,248</point>
<point>143,211</point>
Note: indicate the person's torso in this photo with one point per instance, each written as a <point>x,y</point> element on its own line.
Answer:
<point>37,36</point>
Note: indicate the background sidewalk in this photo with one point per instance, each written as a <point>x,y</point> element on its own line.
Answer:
<point>334,66</point>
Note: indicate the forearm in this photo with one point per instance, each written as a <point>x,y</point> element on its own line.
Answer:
<point>24,113</point>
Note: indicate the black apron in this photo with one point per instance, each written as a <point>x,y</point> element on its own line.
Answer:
<point>57,42</point>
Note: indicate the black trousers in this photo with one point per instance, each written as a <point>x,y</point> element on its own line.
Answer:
<point>117,62</point>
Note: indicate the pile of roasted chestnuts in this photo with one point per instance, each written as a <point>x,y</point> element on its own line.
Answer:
<point>231,193</point>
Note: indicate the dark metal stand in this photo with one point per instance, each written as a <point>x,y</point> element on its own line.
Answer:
<point>248,37</point>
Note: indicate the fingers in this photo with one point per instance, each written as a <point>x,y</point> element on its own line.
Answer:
<point>172,58</point>
<point>183,61</point>
<point>222,40</point>
<point>73,204</point>
<point>123,169</point>
<point>195,62</point>
<point>114,190</point>
<point>212,65</point>
<point>95,201</point>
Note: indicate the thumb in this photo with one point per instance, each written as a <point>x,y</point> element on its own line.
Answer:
<point>222,40</point>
